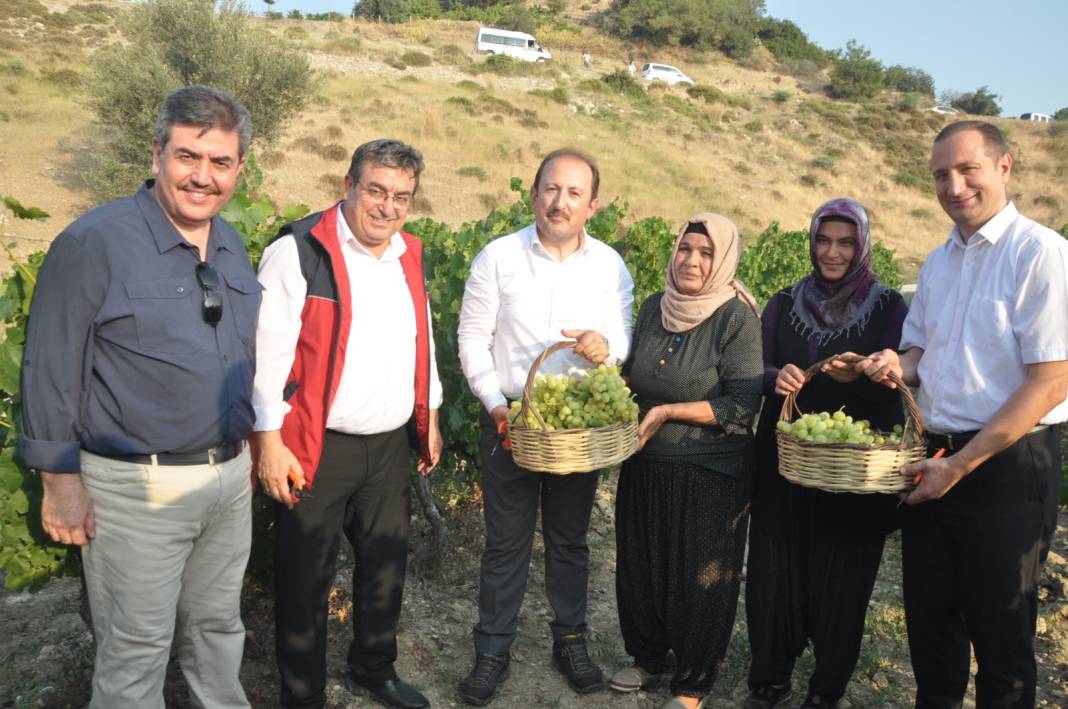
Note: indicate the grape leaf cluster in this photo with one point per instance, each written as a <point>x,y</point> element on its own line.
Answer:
<point>599,398</point>
<point>825,427</point>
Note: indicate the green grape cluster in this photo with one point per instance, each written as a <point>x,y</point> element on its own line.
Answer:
<point>600,398</point>
<point>825,427</point>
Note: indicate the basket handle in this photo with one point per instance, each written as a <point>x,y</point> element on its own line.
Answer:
<point>913,418</point>
<point>527,405</point>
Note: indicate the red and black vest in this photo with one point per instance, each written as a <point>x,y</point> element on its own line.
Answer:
<point>324,334</point>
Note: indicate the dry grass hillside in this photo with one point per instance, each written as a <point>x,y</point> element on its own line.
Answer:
<point>759,145</point>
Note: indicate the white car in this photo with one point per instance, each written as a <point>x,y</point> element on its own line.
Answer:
<point>946,110</point>
<point>666,73</point>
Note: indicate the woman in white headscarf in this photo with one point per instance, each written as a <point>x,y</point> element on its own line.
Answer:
<point>682,504</point>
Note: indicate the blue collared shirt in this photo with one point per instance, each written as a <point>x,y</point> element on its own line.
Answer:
<point>118,357</point>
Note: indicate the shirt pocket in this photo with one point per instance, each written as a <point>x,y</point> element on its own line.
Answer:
<point>164,311</point>
<point>244,299</point>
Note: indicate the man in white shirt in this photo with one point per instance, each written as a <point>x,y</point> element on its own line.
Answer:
<point>986,341</point>
<point>548,282</point>
<point>344,331</point>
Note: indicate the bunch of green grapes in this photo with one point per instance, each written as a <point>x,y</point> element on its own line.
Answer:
<point>600,398</point>
<point>838,427</point>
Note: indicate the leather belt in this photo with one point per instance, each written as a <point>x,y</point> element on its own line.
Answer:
<point>219,454</point>
<point>955,441</point>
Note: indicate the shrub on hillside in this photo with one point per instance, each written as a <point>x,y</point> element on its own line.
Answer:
<point>856,75</point>
<point>416,59</point>
<point>621,82</point>
<point>382,10</point>
<point>785,40</point>
<point>727,25</point>
<point>1061,115</point>
<point>907,79</point>
<point>981,102</point>
<point>173,43</point>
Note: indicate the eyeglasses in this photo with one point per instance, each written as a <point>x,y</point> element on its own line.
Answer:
<point>377,195</point>
<point>208,278</point>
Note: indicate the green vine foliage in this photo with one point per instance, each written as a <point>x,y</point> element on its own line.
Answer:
<point>28,559</point>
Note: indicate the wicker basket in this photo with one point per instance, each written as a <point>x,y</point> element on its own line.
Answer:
<point>845,467</point>
<point>576,450</point>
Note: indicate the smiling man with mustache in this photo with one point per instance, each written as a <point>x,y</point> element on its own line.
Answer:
<point>137,399</point>
<point>547,282</point>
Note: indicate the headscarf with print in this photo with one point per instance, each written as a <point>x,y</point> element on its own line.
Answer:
<point>826,309</point>
<point>680,312</point>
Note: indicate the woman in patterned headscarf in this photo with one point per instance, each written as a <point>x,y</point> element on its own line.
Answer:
<point>814,555</point>
<point>682,504</point>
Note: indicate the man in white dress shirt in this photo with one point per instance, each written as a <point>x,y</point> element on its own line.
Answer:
<point>547,282</point>
<point>345,368</point>
<point>986,341</point>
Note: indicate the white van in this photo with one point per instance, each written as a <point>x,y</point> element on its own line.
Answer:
<point>1039,117</point>
<point>515,44</point>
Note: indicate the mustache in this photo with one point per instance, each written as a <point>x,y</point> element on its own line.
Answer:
<point>191,184</point>
<point>561,212</point>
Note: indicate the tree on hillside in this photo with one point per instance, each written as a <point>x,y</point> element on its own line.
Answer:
<point>981,102</point>
<point>269,4</point>
<point>727,25</point>
<point>785,40</point>
<point>1061,115</point>
<point>909,80</point>
<point>856,75</point>
<point>382,10</point>
<point>174,43</point>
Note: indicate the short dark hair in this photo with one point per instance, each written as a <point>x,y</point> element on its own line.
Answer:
<point>571,153</point>
<point>993,140</point>
<point>204,107</point>
<point>388,153</point>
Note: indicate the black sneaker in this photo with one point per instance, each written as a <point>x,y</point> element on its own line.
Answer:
<point>485,677</point>
<point>768,696</point>
<point>572,659</point>
<point>819,701</point>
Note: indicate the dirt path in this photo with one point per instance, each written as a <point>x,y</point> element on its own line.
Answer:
<point>46,650</point>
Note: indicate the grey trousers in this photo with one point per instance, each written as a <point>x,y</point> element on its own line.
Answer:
<point>511,497</point>
<point>167,564</point>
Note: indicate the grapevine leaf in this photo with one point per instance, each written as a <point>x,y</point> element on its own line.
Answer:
<point>10,474</point>
<point>21,212</point>
<point>10,364</point>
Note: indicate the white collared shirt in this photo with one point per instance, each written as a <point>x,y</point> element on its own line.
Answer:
<point>376,392</point>
<point>982,311</point>
<point>519,297</point>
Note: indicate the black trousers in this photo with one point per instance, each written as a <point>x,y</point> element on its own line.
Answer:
<point>511,496</point>
<point>971,564</point>
<point>813,560</point>
<point>362,489</point>
<point>680,541</point>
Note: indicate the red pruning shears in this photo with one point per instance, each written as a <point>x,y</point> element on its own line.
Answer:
<point>503,439</point>
<point>918,478</point>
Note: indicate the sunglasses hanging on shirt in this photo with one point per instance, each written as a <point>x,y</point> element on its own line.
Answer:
<point>208,278</point>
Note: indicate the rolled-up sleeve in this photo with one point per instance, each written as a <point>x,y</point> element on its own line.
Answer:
<point>57,359</point>
<point>741,372</point>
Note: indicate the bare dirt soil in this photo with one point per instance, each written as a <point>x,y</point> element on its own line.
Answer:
<point>46,648</point>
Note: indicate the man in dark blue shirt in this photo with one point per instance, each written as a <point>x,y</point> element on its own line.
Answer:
<point>136,391</point>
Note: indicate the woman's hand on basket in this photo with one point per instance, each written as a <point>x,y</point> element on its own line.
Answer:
<point>589,343</point>
<point>933,477</point>
<point>879,365</point>
<point>790,380</point>
<point>840,370</point>
<point>657,417</point>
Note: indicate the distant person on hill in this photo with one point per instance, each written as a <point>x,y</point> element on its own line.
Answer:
<point>136,402</point>
<point>814,555</point>
<point>547,282</point>
<point>587,60</point>
<point>682,503</point>
<point>632,69</point>
<point>345,361</point>
<point>986,342</point>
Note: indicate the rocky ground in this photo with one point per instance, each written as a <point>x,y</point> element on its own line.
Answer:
<point>46,649</point>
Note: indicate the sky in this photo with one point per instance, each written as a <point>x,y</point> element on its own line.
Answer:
<point>1015,48</point>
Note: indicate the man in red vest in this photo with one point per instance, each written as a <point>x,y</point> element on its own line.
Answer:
<point>344,369</point>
